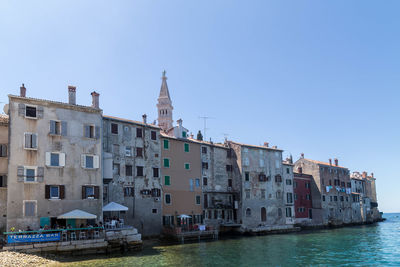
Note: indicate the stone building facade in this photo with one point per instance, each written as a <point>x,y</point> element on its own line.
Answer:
<point>132,173</point>
<point>288,189</point>
<point>3,170</point>
<point>262,200</point>
<point>221,187</point>
<point>54,160</point>
<point>303,198</point>
<point>331,190</point>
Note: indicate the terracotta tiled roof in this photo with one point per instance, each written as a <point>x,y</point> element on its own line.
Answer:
<point>325,163</point>
<point>254,146</point>
<point>3,118</point>
<point>130,121</point>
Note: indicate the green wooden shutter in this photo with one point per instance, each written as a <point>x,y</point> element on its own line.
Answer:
<point>166,163</point>
<point>186,146</point>
<point>167,180</point>
<point>166,144</point>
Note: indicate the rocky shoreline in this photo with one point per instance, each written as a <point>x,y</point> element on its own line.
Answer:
<point>10,258</point>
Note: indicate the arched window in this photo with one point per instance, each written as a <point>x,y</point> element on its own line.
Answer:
<point>263,214</point>
<point>248,212</point>
<point>279,212</point>
<point>278,194</point>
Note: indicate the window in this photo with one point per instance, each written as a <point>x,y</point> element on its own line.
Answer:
<point>187,166</point>
<point>294,184</point>
<point>289,198</point>
<point>279,212</point>
<point>167,180</point>
<point>248,212</point>
<point>278,165</point>
<point>30,112</point>
<point>230,183</point>
<point>287,170</point>
<point>30,174</point>
<point>197,180</point>
<point>139,132</point>
<point>246,176</point>
<point>247,191</point>
<point>3,180</point>
<point>166,144</point>
<point>204,181</point>
<point>204,150</point>
<point>184,134</point>
<point>347,198</point>
<point>166,163</point>
<point>139,170</point>
<point>307,184</point>
<point>90,161</point>
<point>54,192</point>
<point>153,135</point>
<point>168,199</point>
<point>323,198</point>
<point>155,172</point>
<point>308,196</point>
<point>128,170</point>
<point>204,165</point>
<point>278,194</point>
<point>288,182</point>
<point>154,211</point>
<point>191,185</point>
<point>3,150</point>
<point>129,191</point>
<point>58,128</point>
<point>330,198</point>
<point>295,196</point>
<point>116,149</point>
<point>335,198</point>
<point>54,159</point>
<point>278,178</point>
<point>262,193</point>
<point>186,147</point>
<point>128,151</point>
<point>139,152</point>
<point>198,200</point>
<point>341,198</point>
<point>288,212</point>
<point>229,153</point>
<point>116,168</point>
<point>90,192</point>
<point>29,208</point>
<point>114,128</point>
<point>229,168</point>
<point>89,131</point>
<point>30,141</point>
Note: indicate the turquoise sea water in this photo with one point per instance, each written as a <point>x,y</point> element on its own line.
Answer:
<point>377,244</point>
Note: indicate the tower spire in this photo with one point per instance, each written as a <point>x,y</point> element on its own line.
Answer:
<point>164,105</point>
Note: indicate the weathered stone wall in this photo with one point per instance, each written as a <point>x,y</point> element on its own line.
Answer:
<point>144,210</point>
<point>72,175</point>
<point>288,189</point>
<point>3,172</point>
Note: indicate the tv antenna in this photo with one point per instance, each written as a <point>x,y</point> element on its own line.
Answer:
<point>205,118</point>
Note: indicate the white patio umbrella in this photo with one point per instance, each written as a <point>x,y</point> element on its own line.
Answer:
<point>77,214</point>
<point>112,206</point>
<point>184,216</point>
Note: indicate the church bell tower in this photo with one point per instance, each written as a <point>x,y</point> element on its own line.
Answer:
<point>164,106</point>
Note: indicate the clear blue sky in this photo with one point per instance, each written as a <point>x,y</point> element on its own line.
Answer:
<point>319,77</point>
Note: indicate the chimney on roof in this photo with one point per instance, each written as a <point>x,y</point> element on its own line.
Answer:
<point>364,175</point>
<point>95,99</point>
<point>274,147</point>
<point>22,91</point>
<point>302,155</point>
<point>71,95</point>
<point>191,135</point>
<point>372,174</point>
<point>336,162</point>
<point>330,161</point>
<point>179,122</point>
<point>144,116</point>
<point>300,170</point>
<point>266,144</point>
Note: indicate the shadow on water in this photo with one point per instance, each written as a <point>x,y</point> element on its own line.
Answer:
<point>377,244</point>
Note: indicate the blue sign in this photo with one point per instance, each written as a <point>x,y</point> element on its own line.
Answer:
<point>39,237</point>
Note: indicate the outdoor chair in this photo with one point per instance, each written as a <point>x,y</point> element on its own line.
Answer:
<point>73,236</point>
<point>64,236</point>
<point>82,235</point>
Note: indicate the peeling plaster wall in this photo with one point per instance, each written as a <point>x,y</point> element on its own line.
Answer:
<point>73,176</point>
<point>145,211</point>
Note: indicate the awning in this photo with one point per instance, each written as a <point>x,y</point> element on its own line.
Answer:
<point>77,214</point>
<point>184,216</point>
<point>112,206</point>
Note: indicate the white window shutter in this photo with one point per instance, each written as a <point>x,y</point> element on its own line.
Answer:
<point>34,140</point>
<point>27,140</point>
<point>83,161</point>
<point>62,159</point>
<point>48,157</point>
<point>96,162</point>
